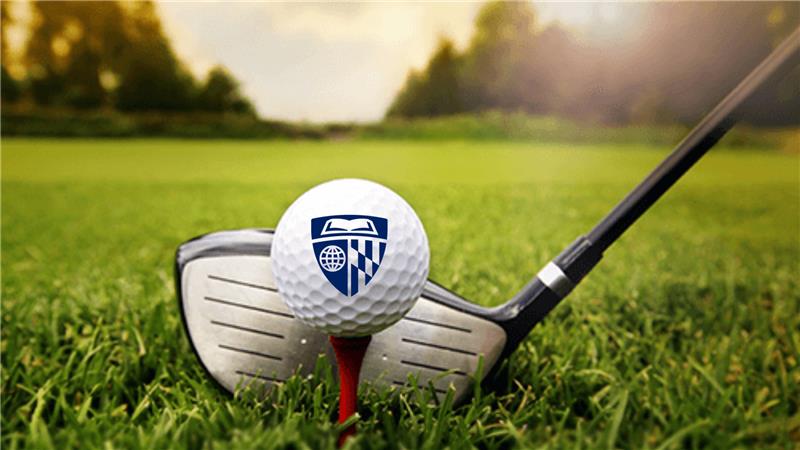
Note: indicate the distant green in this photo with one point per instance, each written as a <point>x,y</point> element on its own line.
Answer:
<point>687,335</point>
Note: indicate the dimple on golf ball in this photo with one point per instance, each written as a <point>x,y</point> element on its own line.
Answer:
<point>350,257</point>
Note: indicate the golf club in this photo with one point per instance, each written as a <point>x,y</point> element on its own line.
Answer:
<point>241,331</point>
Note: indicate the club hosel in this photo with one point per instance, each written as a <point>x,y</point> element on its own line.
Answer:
<point>577,260</point>
<point>562,274</point>
<point>545,291</point>
<point>551,285</point>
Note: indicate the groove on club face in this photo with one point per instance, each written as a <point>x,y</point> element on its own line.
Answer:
<point>443,349</point>
<point>244,334</point>
<point>239,326</point>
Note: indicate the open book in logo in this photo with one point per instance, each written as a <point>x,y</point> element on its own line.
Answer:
<point>349,249</point>
<point>342,226</point>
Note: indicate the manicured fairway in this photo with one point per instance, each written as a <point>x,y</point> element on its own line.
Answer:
<point>686,336</point>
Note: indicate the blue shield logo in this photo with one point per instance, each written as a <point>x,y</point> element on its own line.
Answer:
<point>349,249</point>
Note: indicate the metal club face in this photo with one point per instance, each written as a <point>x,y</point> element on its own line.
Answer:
<point>243,333</point>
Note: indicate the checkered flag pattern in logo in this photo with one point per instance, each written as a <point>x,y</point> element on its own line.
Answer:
<point>349,249</point>
<point>365,258</point>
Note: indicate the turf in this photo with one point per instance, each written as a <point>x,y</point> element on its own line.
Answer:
<point>686,336</point>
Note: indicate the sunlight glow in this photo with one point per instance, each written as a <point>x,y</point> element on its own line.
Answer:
<point>607,21</point>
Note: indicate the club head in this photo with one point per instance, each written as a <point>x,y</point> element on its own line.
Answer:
<point>242,332</point>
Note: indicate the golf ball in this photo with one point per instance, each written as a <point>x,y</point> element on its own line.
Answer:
<point>350,257</point>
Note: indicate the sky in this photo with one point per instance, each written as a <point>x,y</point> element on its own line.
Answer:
<point>315,62</point>
<point>330,62</point>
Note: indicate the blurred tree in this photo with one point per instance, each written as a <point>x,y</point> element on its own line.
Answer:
<point>71,44</point>
<point>442,80</point>
<point>410,101</point>
<point>10,88</point>
<point>783,100</point>
<point>555,75</point>
<point>6,19</point>
<point>650,107</point>
<point>112,54</point>
<point>221,93</point>
<point>433,92</point>
<point>692,54</point>
<point>681,59</point>
<point>150,76</point>
<point>498,68</point>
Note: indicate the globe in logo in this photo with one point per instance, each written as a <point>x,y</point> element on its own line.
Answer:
<point>331,258</point>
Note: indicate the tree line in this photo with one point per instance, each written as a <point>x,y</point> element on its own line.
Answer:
<point>685,57</point>
<point>96,55</point>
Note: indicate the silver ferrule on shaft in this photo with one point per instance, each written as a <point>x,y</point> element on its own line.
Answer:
<point>555,279</point>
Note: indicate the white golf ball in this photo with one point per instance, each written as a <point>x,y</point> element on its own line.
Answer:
<point>350,257</point>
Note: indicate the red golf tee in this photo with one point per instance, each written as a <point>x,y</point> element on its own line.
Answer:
<point>349,356</point>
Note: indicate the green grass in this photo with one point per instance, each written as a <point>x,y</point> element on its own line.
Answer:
<point>519,126</point>
<point>687,335</point>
